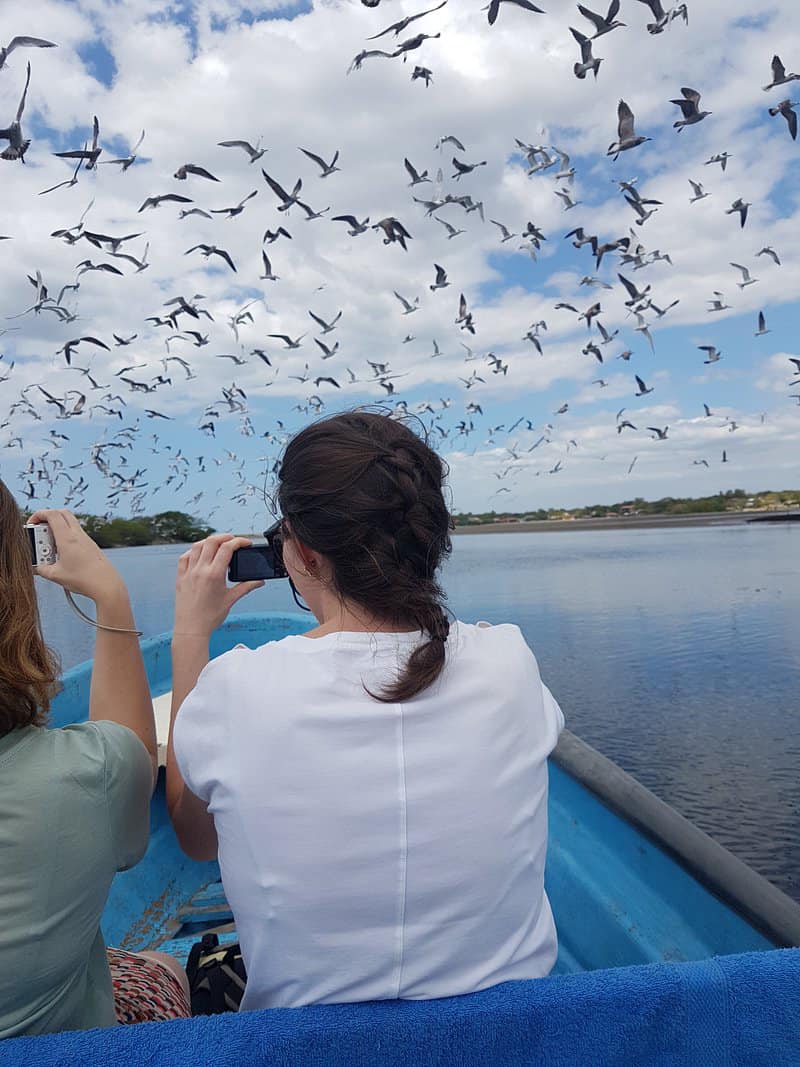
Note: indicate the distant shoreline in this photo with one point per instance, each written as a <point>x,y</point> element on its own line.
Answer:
<point>631,522</point>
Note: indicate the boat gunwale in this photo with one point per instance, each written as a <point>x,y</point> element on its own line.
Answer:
<point>767,908</point>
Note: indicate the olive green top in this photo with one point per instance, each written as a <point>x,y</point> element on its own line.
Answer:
<point>74,810</point>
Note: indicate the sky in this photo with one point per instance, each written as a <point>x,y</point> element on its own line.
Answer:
<point>544,432</point>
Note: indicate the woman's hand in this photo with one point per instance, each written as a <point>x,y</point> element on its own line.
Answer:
<point>82,566</point>
<point>202,598</point>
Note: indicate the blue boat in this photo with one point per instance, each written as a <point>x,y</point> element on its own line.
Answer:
<point>656,922</point>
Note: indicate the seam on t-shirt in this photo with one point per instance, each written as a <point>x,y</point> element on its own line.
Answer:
<point>403,873</point>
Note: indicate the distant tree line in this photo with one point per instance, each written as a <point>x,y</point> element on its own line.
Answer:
<point>730,500</point>
<point>168,527</point>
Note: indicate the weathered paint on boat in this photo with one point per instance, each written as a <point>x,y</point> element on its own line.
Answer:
<point>623,891</point>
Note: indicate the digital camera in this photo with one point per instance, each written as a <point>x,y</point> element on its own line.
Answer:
<point>43,545</point>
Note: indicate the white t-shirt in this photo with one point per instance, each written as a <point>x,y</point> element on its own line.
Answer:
<point>374,851</point>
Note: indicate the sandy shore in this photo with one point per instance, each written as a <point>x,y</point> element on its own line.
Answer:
<point>627,522</point>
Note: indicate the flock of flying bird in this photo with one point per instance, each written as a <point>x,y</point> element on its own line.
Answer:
<point>118,455</point>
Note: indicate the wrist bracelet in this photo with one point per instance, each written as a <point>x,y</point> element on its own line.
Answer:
<point>93,622</point>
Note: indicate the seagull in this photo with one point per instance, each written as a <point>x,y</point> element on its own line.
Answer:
<point>182,173</point>
<point>412,43</point>
<point>289,342</point>
<point>356,227</point>
<point>449,139</point>
<point>327,327</point>
<point>785,108</point>
<point>762,325</point>
<point>636,295</point>
<point>507,235</point>
<point>721,158</point>
<point>699,193</point>
<point>366,54</point>
<point>626,136</point>
<point>441,279</point>
<point>183,214</point>
<point>779,75</point>
<point>88,154</point>
<point>156,201</point>
<point>416,177</point>
<point>286,198</point>
<point>566,199</point>
<point>717,304</point>
<point>398,27</point>
<point>740,206</point>
<point>644,329</point>
<point>588,61</point>
<point>642,389</point>
<point>69,182</point>
<point>140,264</point>
<point>768,251</point>
<point>746,279</point>
<point>212,250</point>
<point>232,212</point>
<point>451,230</point>
<point>253,153</point>
<point>408,309</point>
<point>268,275</point>
<point>661,435</point>
<point>713,354</point>
<point>124,340</point>
<point>17,144</point>
<point>690,106</point>
<point>602,24</point>
<point>422,72</point>
<point>68,348</point>
<point>327,352</point>
<point>465,168</point>
<point>393,230</point>
<point>327,168</point>
<point>662,17</point>
<point>23,42</point>
<point>129,160</point>
<point>494,8</point>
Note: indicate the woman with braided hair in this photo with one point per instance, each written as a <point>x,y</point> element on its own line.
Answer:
<point>375,789</point>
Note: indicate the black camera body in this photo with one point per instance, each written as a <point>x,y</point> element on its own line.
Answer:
<point>256,563</point>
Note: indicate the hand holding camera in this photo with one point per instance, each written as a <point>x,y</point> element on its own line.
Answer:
<point>202,599</point>
<point>62,552</point>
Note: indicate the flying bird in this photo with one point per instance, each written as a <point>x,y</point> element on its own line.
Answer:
<point>626,135</point>
<point>762,325</point>
<point>182,173</point>
<point>690,106</point>
<point>602,23</point>
<point>713,354</point>
<point>398,27</point>
<point>441,279</point>
<point>779,75</point>
<point>253,153</point>
<point>740,206</point>
<point>494,8</point>
<point>327,168</point>
<point>212,250</point>
<point>156,201</point>
<point>588,61</point>
<point>768,251</point>
<point>786,108</point>
<point>699,193</point>
<point>17,144</point>
<point>641,388</point>
<point>126,161</point>
<point>88,155</point>
<point>746,279</point>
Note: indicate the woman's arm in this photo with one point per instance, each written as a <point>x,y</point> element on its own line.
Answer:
<point>119,690</point>
<point>202,603</point>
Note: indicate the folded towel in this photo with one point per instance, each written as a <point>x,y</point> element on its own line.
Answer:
<point>730,1010</point>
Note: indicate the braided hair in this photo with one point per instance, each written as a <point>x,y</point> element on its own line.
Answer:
<point>365,491</point>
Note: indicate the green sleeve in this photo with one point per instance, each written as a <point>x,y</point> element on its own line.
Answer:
<point>128,788</point>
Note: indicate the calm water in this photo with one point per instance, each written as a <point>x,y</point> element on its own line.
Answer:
<point>674,652</point>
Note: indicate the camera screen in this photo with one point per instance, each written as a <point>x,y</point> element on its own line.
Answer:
<point>252,564</point>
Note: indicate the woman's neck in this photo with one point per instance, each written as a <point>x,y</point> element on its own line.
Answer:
<point>347,618</point>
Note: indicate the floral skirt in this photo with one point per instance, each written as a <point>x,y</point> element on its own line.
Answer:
<point>145,991</point>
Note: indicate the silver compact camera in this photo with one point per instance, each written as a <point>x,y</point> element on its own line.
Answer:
<point>43,545</point>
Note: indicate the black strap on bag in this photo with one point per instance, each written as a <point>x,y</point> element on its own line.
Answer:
<point>217,976</point>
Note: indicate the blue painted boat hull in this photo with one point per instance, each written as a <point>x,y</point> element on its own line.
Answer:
<point>618,898</point>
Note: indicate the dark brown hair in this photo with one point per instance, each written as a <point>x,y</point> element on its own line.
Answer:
<point>28,669</point>
<point>365,491</point>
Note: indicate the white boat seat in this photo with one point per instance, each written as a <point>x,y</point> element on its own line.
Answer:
<point>161,710</point>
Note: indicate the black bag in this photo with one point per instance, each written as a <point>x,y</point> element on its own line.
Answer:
<point>217,976</point>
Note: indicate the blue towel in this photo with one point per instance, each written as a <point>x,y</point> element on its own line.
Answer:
<point>723,1012</point>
